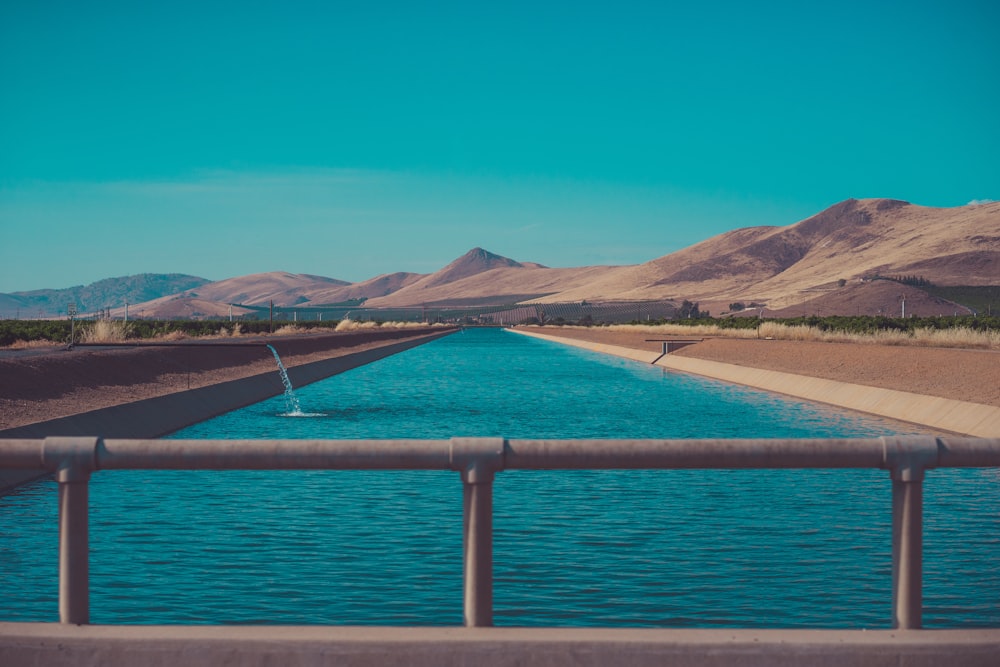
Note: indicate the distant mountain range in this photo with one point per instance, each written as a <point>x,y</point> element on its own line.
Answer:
<point>102,294</point>
<point>820,263</point>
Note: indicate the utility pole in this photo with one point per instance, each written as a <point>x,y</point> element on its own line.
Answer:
<point>72,323</point>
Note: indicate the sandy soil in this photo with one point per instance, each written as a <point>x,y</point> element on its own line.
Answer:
<point>37,385</point>
<point>964,375</point>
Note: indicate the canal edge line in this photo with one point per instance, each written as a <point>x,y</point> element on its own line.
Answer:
<point>944,414</point>
<point>158,416</point>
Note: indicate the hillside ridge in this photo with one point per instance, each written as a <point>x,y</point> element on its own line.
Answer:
<point>777,265</point>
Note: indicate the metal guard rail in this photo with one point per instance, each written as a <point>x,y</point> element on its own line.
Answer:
<point>73,459</point>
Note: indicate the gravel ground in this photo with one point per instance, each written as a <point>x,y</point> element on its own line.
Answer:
<point>960,374</point>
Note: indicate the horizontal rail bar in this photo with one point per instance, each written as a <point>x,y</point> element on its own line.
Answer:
<point>527,454</point>
<point>705,453</point>
<point>478,459</point>
<point>275,454</point>
<point>22,453</point>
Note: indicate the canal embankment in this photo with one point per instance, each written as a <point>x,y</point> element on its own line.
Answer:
<point>950,390</point>
<point>149,391</point>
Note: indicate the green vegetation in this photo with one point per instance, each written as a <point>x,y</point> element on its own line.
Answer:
<point>32,330</point>
<point>689,311</point>
<point>863,324</point>
<point>740,306</point>
<point>848,324</point>
<point>58,331</point>
<point>912,281</point>
<point>983,300</point>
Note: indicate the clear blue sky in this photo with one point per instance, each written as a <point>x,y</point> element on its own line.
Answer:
<point>349,139</point>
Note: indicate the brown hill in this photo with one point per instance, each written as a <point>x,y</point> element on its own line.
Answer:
<point>870,297</point>
<point>472,263</point>
<point>372,288</point>
<point>784,265</point>
<point>481,277</point>
<point>285,289</point>
<point>179,307</point>
<point>213,299</point>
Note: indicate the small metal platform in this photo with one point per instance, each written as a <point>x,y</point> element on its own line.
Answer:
<point>672,344</point>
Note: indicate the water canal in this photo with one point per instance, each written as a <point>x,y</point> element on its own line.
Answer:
<point>604,548</point>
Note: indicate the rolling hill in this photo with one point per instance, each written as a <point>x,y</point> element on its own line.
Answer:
<point>110,292</point>
<point>786,265</point>
<point>480,276</point>
<point>821,263</point>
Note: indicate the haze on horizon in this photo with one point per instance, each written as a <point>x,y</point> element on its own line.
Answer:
<point>222,140</point>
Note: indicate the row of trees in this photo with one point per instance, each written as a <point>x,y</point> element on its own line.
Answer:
<point>58,331</point>
<point>912,281</point>
<point>740,306</point>
<point>861,324</point>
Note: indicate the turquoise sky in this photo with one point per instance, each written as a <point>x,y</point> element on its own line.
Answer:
<point>349,139</point>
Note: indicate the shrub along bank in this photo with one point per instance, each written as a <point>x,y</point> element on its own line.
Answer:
<point>58,331</point>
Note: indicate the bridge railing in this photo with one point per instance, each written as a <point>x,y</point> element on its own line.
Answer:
<point>73,460</point>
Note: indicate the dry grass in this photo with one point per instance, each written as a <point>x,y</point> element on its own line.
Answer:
<point>31,344</point>
<point>106,331</point>
<point>351,325</point>
<point>681,330</point>
<point>961,337</point>
<point>289,330</point>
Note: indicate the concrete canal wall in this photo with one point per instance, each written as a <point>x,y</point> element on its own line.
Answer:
<point>156,417</point>
<point>940,414</point>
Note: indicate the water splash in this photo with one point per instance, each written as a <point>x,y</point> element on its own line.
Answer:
<point>292,406</point>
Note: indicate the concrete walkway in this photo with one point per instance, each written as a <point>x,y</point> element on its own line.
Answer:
<point>57,645</point>
<point>941,414</point>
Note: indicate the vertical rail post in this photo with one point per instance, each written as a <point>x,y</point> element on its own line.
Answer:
<point>74,547</point>
<point>907,459</point>
<point>477,459</point>
<point>477,539</point>
<point>907,553</point>
<point>72,460</point>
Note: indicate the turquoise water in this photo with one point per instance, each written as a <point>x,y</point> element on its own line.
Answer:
<point>638,548</point>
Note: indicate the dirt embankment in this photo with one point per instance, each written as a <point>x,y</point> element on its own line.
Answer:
<point>41,385</point>
<point>959,374</point>
<point>38,386</point>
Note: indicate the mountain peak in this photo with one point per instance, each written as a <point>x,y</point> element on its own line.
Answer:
<point>486,258</point>
<point>477,260</point>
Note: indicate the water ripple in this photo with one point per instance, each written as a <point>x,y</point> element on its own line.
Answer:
<point>684,548</point>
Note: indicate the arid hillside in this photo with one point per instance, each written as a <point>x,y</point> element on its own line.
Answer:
<point>822,264</point>
<point>260,288</point>
<point>852,240</point>
<point>479,276</point>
